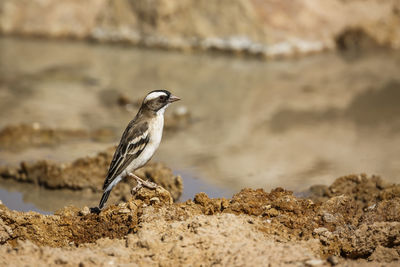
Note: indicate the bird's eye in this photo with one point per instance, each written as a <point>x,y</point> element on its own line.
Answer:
<point>163,97</point>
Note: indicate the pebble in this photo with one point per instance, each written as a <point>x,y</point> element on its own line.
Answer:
<point>333,260</point>
<point>373,206</point>
<point>85,211</point>
<point>121,205</point>
<point>132,206</point>
<point>314,262</point>
<point>320,230</point>
<point>124,211</point>
<point>61,260</point>
<point>329,218</point>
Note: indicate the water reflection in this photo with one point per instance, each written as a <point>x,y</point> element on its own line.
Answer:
<point>372,108</point>
<point>289,123</point>
<point>14,201</point>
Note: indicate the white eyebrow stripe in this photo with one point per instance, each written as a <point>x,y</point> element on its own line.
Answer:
<point>154,95</point>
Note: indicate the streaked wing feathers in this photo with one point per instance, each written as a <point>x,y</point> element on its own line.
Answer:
<point>133,142</point>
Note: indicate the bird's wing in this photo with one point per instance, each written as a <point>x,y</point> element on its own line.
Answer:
<point>133,142</point>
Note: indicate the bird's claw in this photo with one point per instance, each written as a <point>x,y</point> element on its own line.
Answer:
<point>149,185</point>
<point>141,183</point>
<point>137,187</point>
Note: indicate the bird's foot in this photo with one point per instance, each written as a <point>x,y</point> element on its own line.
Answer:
<point>149,185</point>
<point>141,183</point>
<point>137,187</point>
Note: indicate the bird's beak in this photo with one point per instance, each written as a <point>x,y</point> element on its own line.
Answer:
<point>173,98</point>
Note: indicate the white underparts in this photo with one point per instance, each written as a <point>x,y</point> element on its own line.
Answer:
<point>161,111</point>
<point>155,131</point>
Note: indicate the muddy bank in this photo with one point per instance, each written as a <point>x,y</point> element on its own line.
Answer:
<point>359,224</point>
<point>265,28</point>
<point>23,136</point>
<point>87,175</point>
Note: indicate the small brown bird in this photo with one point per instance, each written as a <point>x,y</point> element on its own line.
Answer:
<point>139,141</point>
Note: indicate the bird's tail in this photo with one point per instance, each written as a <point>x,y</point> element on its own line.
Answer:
<point>104,198</point>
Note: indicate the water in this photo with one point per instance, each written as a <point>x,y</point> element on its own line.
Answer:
<point>29,197</point>
<point>258,124</point>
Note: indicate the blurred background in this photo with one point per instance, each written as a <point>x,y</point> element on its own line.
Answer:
<point>274,93</point>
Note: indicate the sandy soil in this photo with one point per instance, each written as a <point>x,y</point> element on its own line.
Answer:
<point>354,222</point>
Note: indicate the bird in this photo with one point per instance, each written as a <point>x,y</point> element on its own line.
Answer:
<point>138,143</point>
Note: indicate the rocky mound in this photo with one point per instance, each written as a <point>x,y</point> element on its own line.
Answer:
<point>359,221</point>
<point>87,174</point>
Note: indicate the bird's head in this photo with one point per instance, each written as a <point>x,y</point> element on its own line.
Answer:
<point>158,100</point>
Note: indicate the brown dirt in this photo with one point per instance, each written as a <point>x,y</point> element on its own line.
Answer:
<point>88,174</point>
<point>252,228</point>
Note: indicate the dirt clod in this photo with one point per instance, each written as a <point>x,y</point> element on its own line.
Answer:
<point>274,227</point>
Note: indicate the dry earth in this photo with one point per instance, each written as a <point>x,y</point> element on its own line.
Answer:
<point>354,222</point>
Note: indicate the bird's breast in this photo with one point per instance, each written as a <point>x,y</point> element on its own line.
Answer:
<point>156,130</point>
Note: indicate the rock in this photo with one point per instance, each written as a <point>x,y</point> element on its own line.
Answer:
<point>320,230</point>
<point>148,196</point>
<point>329,218</point>
<point>85,211</point>
<point>61,260</point>
<point>314,262</point>
<point>124,211</point>
<point>163,176</point>
<point>333,260</point>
